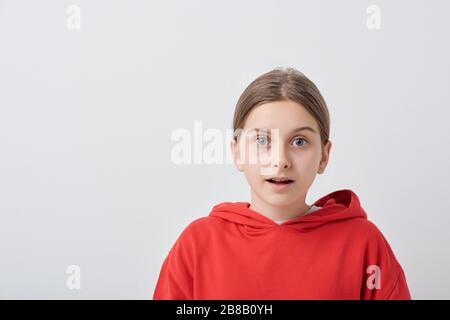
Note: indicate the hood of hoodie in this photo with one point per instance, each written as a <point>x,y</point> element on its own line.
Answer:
<point>338,205</point>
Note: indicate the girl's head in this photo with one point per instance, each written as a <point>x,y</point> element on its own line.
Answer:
<point>282,127</point>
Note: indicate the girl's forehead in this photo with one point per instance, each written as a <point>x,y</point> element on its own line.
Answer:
<point>289,126</point>
<point>282,115</point>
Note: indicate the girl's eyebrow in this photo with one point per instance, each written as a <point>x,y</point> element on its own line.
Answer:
<point>295,130</point>
<point>304,128</point>
<point>265,130</point>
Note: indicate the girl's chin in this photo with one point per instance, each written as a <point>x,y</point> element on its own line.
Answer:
<point>281,199</point>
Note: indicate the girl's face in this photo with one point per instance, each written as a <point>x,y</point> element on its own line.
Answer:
<point>280,139</point>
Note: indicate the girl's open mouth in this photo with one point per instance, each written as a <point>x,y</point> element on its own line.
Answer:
<point>280,181</point>
<point>280,184</point>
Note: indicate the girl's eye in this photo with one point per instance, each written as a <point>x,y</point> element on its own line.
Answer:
<point>262,141</point>
<point>302,143</point>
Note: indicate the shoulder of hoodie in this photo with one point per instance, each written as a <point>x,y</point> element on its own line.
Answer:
<point>200,225</point>
<point>367,234</point>
<point>200,229</point>
<point>188,237</point>
<point>360,227</point>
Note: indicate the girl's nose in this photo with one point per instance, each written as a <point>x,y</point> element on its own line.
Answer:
<point>282,162</point>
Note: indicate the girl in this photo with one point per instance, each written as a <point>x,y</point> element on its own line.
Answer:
<point>277,246</point>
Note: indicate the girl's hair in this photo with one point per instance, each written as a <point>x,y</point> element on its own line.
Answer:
<point>283,84</point>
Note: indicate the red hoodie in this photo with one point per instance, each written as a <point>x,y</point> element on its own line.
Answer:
<point>237,253</point>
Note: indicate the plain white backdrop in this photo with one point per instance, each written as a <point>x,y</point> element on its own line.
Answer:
<point>89,100</point>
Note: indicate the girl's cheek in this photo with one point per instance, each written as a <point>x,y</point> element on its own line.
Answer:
<point>245,154</point>
<point>255,156</point>
<point>307,161</point>
<point>263,157</point>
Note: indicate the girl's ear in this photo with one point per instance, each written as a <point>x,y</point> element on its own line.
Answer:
<point>325,157</point>
<point>236,155</point>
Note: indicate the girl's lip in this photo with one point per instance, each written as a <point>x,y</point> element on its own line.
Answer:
<point>280,178</point>
<point>280,186</point>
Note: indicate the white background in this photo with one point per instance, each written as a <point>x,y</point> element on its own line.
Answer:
<point>86,118</point>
